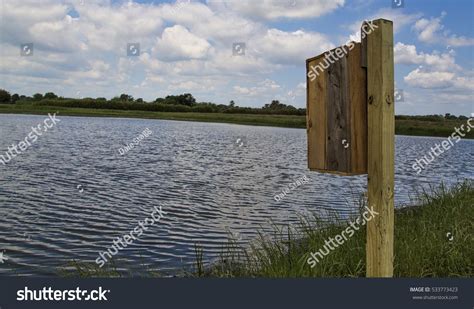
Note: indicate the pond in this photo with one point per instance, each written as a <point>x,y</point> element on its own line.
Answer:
<point>73,191</point>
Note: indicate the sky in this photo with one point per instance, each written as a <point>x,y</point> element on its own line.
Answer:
<point>248,51</point>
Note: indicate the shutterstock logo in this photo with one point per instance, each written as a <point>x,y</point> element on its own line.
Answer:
<point>133,49</point>
<point>122,242</point>
<point>48,294</point>
<point>332,243</point>
<point>238,49</point>
<point>17,149</point>
<point>397,4</point>
<point>440,148</point>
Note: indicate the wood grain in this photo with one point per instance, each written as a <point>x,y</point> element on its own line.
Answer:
<point>316,116</point>
<point>381,135</point>
<point>358,111</point>
<point>338,126</point>
<point>337,114</point>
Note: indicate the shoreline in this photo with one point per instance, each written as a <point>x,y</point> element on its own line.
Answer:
<point>425,232</point>
<point>402,126</point>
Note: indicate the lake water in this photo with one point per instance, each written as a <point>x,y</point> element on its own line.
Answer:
<point>70,194</point>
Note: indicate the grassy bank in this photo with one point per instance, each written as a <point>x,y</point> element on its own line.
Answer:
<point>402,126</point>
<point>288,121</point>
<point>430,128</point>
<point>432,239</point>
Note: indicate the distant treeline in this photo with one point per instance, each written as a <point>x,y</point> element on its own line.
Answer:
<point>177,103</point>
<point>172,103</point>
<point>447,116</point>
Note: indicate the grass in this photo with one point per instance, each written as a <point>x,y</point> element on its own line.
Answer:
<point>429,128</point>
<point>402,126</point>
<point>423,247</point>
<point>287,121</point>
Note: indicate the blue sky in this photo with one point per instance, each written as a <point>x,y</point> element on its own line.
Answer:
<point>80,48</point>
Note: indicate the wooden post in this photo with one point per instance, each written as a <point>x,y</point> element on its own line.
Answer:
<point>381,140</point>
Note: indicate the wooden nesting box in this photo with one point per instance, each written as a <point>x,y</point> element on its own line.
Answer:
<point>337,111</point>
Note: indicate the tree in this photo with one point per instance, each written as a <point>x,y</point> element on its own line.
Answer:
<point>15,98</point>
<point>275,104</point>
<point>182,99</point>
<point>139,100</point>
<point>50,95</point>
<point>37,97</point>
<point>231,103</point>
<point>188,99</point>
<point>126,97</point>
<point>5,96</point>
<point>25,98</point>
<point>449,116</point>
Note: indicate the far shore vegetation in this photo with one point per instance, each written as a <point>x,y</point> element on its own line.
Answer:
<point>433,238</point>
<point>184,107</point>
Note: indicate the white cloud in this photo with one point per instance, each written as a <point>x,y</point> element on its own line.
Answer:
<point>110,28</point>
<point>400,20</point>
<point>265,87</point>
<point>435,70</point>
<point>296,95</point>
<point>427,29</point>
<point>177,43</point>
<point>290,47</point>
<point>433,31</point>
<point>275,9</point>
<point>439,79</point>
<point>189,85</point>
<point>407,54</point>
<point>418,78</point>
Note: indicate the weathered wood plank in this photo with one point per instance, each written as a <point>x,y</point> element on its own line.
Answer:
<point>316,116</point>
<point>363,54</point>
<point>381,129</point>
<point>358,111</point>
<point>338,124</point>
